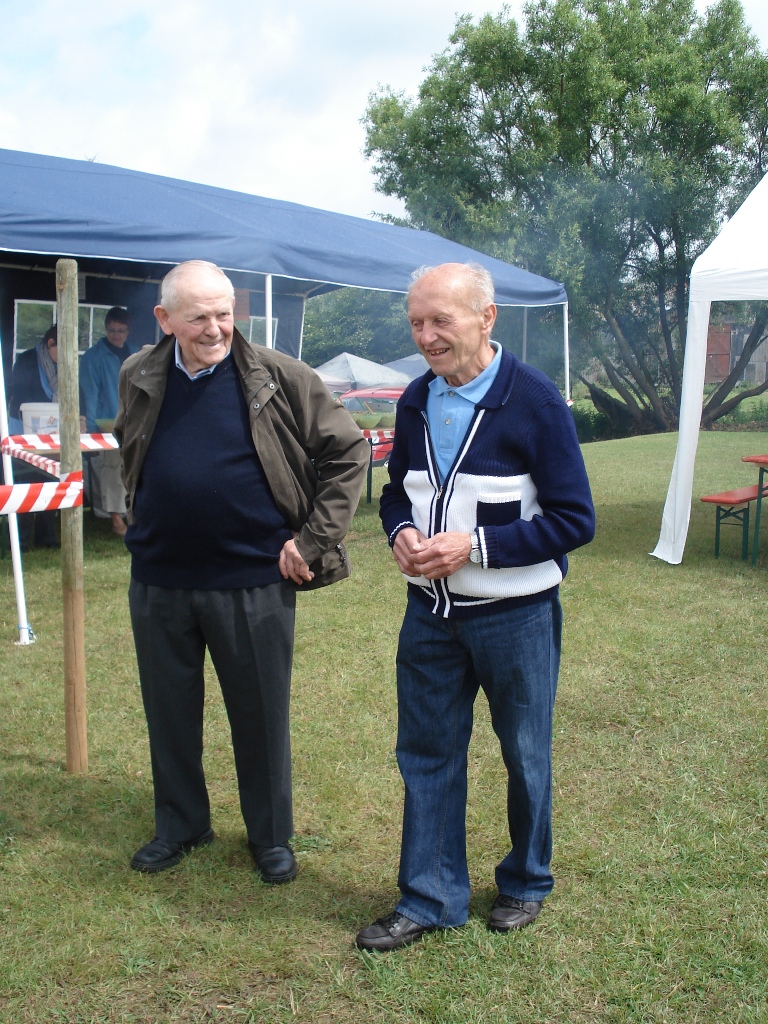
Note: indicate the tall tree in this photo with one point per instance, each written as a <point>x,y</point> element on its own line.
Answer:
<point>603,146</point>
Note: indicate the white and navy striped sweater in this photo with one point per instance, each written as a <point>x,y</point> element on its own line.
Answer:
<point>519,479</point>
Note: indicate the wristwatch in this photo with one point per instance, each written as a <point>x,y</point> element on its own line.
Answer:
<point>475,554</point>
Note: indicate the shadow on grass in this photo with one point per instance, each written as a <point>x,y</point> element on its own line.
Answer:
<point>82,831</point>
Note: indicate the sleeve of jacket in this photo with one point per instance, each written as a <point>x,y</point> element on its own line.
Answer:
<point>340,456</point>
<point>567,519</point>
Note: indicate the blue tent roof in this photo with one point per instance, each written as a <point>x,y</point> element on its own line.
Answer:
<point>54,206</point>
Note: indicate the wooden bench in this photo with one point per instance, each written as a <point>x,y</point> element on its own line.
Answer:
<point>733,508</point>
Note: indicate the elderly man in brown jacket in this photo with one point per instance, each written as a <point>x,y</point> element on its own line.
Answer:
<point>243,475</point>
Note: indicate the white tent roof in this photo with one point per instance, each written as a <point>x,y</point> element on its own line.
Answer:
<point>361,373</point>
<point>336,385</point>
<point>733,267</point>
<point>412,366</point>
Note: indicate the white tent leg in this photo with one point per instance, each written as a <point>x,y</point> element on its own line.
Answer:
<point>26,636</point>
<point>677,508</point>
<point>270,341</point>
<point>566,355</point>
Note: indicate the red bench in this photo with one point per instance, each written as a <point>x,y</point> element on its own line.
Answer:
<point>733,508</point>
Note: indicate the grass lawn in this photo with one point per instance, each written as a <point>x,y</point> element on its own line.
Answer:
<point>661,781</point>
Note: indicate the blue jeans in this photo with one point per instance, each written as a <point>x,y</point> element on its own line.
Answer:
<point>514,655</point>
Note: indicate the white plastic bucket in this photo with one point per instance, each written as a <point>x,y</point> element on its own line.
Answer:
<point>40,417</point>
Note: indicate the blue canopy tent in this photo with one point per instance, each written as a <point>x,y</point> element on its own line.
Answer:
<point>127,228</point>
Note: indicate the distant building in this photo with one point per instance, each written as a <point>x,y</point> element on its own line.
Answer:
<point>725,343</point>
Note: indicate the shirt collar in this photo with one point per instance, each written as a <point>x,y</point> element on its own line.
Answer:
<point>200,373</point>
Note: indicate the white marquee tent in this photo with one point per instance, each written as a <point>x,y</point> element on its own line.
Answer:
<point>733,268</point>
<point>361,373</point>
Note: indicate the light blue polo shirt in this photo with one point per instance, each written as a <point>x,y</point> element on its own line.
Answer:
<point>450,411</point>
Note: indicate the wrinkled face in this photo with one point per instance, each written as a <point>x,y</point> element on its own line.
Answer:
<point>201,318</point>
<point>453,338</point>
<point>117,333</point>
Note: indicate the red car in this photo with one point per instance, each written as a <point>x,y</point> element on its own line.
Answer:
<point>374,409</point>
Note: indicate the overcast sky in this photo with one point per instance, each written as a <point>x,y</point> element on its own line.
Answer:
<point>262,98</point>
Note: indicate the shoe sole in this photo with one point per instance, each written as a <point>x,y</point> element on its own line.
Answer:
<point>163,865</point>
<point>277,879</point>
<point>387,948</point>
<point>153,869</point>
<point>501,929</point>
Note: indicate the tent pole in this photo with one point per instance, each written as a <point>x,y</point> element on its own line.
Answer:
<point>566,354</point>
<point>270,341</point>
<point>525,335</point>
<point>26,635</point>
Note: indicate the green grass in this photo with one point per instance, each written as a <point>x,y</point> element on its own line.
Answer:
<point>661,772</point>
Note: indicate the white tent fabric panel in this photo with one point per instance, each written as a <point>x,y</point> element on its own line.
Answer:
<point>733,268</point>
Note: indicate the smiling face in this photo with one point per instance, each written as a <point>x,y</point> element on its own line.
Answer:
<point>449,332</point>
<point>200,316</point>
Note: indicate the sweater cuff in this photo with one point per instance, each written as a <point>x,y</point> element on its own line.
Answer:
<point>489,547</point>
<point>401,526</point>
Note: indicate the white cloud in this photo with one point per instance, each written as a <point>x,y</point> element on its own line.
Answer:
<point>237,93</point>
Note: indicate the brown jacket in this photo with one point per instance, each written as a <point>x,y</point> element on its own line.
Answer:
<point>313,454</point>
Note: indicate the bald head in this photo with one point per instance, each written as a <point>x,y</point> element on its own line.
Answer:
<point>187,275</point>
<point>473,277</point>
<point>451,319</point>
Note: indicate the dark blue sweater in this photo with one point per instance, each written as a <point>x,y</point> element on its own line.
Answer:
<point>518,480</point>
<point>205,517</point>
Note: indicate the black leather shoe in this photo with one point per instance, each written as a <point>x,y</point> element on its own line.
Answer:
<point>390,933</point>
<point>159,854</point>
<point>509,914</point>
<point>275,865</point>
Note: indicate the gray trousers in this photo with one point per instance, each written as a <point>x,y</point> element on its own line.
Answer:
<point>106,475</point>
<point>249,635</point>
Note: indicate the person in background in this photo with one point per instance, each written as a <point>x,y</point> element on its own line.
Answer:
<point>267,469</point>
<point>34,378</point>
<point>487,493</point>
<point>99,371</point>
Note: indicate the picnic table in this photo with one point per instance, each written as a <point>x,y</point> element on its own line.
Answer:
<point>762,462</point>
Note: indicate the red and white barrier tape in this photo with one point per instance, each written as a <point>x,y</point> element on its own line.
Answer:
<point>26,447</point>
<point>39,461</point>
<point>379,436</point>
<point>64,493</point>
<point>49,442</point>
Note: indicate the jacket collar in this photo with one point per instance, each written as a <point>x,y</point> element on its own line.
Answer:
<point>151,373</point>
<point>252,370</point>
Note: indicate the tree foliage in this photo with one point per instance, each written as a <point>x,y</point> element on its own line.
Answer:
<point>603,146</point>
<point>374,325</point>
<point>366,323</point>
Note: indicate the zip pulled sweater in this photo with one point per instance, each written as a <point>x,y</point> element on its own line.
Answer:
<point>518,479</point>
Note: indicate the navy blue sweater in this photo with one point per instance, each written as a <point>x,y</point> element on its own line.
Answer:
<point>518,479</point>
<point>205,517</point>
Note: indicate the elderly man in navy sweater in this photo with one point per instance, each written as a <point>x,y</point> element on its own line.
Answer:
<point>487,493</point>
<point>242,476</point>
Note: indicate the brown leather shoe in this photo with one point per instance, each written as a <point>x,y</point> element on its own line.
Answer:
<point>509,914</point>
<point>392,932</point>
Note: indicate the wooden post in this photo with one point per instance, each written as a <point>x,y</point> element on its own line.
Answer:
<point>71,521</point>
